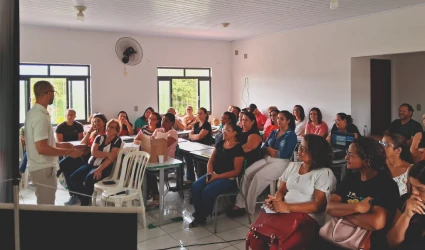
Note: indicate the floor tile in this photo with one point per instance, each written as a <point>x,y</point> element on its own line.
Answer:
<point>209,239</point>
<point>240,245</point>
<point>238,233</point>
<point>144,234</point>
<point>230,248</point>
<point>177,226</point>
<point>223,224</point>
<point>190,235</point>
<point>159,242</point>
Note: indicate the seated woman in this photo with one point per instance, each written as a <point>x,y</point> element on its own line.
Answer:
<point>315,125</point>
<point>399,159</point>
<point>367,198</point>
<point>408,230</point>
<point>223,167</point>
<point>189,119</point>
<point>344,124</point>
<point>300,120</point>
<point>225,118</point>
<point>239,123</point>
<point>154,122</point>
<point>69,165</point>
<point>126,126</point>
<point>201,133</point>
<point>269,120</point>
<point>168,133</point>
<point>418,145</point>
<point>250,138</point>
<point>306,185</point>
<point>273,125</point>
<point>279,148</point>
<point>143,120</point>
<point>178,125</point>
<point>104,152</point>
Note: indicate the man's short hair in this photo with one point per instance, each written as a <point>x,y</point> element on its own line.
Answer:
<point>71,110</point>
<point>409,107</point>
<point>41,87</point>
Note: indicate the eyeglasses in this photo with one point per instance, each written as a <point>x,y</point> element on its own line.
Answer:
<point>385,144</point>
<point>112,127</point>
<point>302,149</point>
<point>350,155</point>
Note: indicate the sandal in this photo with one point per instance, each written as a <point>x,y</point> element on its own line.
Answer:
<point>154,204</point>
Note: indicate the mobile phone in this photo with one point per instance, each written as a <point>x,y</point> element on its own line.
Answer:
<point>108,182</point>
<point>208,177</point>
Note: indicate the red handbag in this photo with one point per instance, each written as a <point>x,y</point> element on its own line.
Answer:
<point>283,231</point>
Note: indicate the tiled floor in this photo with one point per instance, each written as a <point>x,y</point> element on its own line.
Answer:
<point>177,234</point>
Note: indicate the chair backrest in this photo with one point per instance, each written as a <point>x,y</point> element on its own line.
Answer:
<point>118,162</point>
<point>239,180</point>
<point>177,154</point>
<point>133,170</point>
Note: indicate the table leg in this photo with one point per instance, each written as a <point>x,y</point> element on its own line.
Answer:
<point>180,171</point>
<point>145,189</point>
<point>161,195</point>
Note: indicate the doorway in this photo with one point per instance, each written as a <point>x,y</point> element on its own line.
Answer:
<point>380,95</point>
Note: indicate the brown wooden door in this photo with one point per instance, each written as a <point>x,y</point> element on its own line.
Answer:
<point>380,95</point>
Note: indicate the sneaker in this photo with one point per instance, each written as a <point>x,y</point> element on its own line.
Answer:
<point>74,200</point>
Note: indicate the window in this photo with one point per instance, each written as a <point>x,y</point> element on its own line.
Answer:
<point>71,83</point>
<point>179,87</point>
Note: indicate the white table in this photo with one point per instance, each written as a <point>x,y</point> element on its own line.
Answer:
<point>169,163</point>
<point>189,146</point>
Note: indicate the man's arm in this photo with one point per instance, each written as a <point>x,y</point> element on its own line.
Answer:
<point>43,148</point>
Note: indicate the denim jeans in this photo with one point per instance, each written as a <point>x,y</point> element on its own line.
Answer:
<point>82,181</point>
<point>204,195</point>
<point>69,165</point>
<point>23,166</point>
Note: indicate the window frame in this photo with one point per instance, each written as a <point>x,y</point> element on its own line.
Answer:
<point>198,78</point>
<point>68,80</point>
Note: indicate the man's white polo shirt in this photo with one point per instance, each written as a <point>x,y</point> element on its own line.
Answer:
<point>38,127</point>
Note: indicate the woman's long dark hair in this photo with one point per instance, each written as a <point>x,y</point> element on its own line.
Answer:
<point>251,117</point>
<point>289,117</point>
<point>232,117</point>
<point>270,113</point>
<point>124,127</point>
<point>319,150</point>
<point>103,118</point>
<point>206,112</point>
<point>345,117</point>
<point>319,115</point>
<point>400,141</point>
<point>144,113</point>
<point>302,113</point>
<point>371,151</point>
<point>158,117</point>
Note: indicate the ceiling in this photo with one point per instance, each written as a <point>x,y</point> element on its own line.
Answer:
<point>200,19</point>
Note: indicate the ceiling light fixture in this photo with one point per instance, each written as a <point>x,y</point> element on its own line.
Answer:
<point>80,14</point>
<point>334,4</point>
<point>225,24</point>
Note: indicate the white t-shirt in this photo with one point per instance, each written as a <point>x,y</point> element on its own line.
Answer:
<point>300,126</point>
<point>301,187</point>
<point>38,127</point>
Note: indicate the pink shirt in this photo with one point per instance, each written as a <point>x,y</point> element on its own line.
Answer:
<point>261,119</point>
<point>159,133</point>
<point>267,124</point>
<point>321,128</point>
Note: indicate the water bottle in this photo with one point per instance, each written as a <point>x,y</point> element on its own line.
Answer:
<point>365,130</point>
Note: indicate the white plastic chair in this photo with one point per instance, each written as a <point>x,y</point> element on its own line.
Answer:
<point>100,187</point>
<point>134,166</point>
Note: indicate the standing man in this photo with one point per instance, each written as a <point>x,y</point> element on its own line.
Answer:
<point>261,119</point>
<point>405,125</point>
<point>69,130</point>
<point>42,150</point>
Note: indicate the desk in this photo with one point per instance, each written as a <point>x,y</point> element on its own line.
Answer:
<point>204,154</point>
<point>189,146</point>
<point>169,163</point>
<point>180,140</point>
<point>128,139</point>
<point>183,134</point>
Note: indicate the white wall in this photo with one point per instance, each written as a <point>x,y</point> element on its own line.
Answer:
<point>111,90</point>
<point>407,84</point>
<point>410,87</point>
<point>311,66</point>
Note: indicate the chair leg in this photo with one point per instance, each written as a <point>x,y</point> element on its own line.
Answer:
<point>93,199</point>
<point>215,214</point>
<point>246,205</point>
<point>143,215</point>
